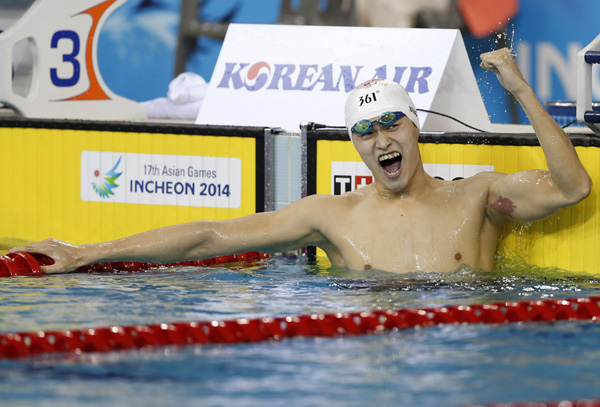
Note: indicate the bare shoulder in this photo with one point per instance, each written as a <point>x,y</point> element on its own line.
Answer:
<point>312,215</point>
<point>487,176</point>
<point>329,202</point>
<point>315,205</point>
<point>482,179</point>
<point>322,209</point>
<point>479,187</point>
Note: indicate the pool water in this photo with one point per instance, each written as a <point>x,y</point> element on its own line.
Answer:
<point>452,365</point>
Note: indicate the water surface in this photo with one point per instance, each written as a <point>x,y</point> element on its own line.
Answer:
<point>450,365</point>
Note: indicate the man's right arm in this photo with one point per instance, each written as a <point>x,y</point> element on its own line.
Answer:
<point>292,227</point>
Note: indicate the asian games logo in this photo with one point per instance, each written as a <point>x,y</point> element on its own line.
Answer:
<point>104,186</point>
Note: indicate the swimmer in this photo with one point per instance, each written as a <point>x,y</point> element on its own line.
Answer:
<point>403,222</point>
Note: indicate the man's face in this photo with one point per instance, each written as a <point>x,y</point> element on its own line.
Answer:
<point>391,152</point>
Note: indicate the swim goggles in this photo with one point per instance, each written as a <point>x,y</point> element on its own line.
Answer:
<point>386,118</point>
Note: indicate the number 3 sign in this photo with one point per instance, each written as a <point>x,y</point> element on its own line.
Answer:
<point>62,36</point>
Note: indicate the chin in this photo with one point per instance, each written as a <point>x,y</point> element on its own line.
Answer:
<point>395,185</point>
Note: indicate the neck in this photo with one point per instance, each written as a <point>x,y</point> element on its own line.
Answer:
<point>420,184</point>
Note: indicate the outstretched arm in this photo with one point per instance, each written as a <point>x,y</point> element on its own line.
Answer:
<point>531,195</point>
<point>295,226</point>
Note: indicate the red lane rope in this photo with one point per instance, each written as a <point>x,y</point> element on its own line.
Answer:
<point>28,264</point>
<point>20,264</point>
<point>114,338</point>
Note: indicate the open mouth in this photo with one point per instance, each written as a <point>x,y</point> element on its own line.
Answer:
<point>391,163</point>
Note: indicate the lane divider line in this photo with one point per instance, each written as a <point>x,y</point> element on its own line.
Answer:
<point>28,264</point>
<point>117,338</point>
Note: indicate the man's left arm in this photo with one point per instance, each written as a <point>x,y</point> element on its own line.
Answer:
<point>531,195</point>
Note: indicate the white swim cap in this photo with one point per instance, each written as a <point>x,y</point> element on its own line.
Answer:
<point>371,98</point>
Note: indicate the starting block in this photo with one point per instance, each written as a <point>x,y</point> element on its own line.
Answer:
<point>61,38</point>
<point>586,58</point>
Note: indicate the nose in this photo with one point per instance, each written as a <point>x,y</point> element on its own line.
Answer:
<point>383,140</point>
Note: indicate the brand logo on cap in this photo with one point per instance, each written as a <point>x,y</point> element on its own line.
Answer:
<point>370,83</point>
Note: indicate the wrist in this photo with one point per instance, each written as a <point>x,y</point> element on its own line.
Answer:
<point>87,254</point>
<point>525,94</point>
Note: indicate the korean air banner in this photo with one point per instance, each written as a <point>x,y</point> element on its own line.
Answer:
<point>280,76</point>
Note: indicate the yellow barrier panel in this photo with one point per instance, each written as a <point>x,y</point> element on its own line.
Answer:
<point>568,240</point>
<point>47,192</point>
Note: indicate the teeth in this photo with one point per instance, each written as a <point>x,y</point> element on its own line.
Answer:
<point>389,156</point>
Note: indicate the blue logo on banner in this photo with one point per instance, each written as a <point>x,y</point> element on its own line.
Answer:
<point>308,77</point>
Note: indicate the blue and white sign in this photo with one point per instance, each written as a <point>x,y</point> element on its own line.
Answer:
<point>280,76</point>
<point>160,179</point>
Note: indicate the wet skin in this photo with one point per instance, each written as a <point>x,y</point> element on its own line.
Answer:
<point>404,221</point>
<point>409,220</point>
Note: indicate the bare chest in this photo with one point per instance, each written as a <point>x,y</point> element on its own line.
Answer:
<point>430,236</point>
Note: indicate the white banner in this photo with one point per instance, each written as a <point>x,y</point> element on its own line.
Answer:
<point>280,76</point>
<point>158,179</point>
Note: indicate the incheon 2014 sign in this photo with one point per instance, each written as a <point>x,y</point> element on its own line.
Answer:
<point>161,179</point>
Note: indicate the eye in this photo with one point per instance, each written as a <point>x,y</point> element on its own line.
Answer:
<point>366,135</point>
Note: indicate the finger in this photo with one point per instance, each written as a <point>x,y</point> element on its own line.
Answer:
<point>486,65</point>
<point>30,248</point>
<point>52,269</point>
<point>49,269</point>
<point>491,68</point>
<point>32,251</point>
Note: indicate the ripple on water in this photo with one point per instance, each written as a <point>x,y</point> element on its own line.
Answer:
<point>274,288</point>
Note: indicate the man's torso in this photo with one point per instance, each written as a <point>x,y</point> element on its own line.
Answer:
<point>441,230</point>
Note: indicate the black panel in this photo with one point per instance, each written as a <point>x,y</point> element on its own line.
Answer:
<point>133,127</point>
